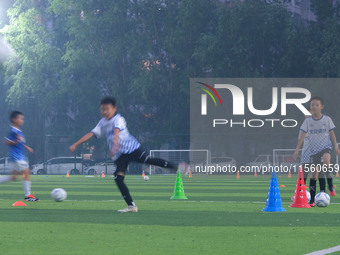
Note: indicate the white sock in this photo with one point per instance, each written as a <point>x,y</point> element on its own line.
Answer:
<point>5,179</point>
<point>27,188</point>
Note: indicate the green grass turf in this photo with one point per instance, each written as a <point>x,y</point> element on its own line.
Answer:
<point>223,215</point>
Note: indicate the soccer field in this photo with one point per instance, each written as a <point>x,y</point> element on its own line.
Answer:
<point>223,215</point>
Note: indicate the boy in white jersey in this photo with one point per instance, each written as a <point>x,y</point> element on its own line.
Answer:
<point>18,161</point>
<point>123,147</point>
<point>319,128</point>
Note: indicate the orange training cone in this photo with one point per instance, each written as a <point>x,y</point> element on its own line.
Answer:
<point>289,174</point>
<point>103,175</point>
<point>143,174</point>
<point>337,174</point>
<point>24,175</point>
<point>190,174</point>
<point>255,173</point>
<point>238,175</point>
<point>67,174</point>
<point>300,196</point>
<point>19,203</point>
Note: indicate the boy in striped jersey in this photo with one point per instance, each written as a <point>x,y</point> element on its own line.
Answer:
<point>123,147</point>
<point>320,131</point>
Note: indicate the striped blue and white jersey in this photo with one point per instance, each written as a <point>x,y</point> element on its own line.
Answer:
<point>317,131</point>
<point>105,129</point>
<point>17,151</point>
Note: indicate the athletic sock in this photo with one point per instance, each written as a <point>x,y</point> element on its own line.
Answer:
<point>312,188</point>
<point>27,188</point>
<point>330,184</point>
<point>124,190</point>
<point>322,183</point>
<point>5,179</point>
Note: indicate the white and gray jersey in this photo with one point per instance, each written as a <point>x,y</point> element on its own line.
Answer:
<point>317,131</point>
<point>305,155</point>
<point>106,127</point>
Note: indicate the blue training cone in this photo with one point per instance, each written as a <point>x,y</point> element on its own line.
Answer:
<point>274,203</point>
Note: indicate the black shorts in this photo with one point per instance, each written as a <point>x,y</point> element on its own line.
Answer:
<point>140,155</point>
<point>316,159</point>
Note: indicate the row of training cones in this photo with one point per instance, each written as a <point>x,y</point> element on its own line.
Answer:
<point>274,203</point>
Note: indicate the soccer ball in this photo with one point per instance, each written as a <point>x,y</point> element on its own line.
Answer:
<point>59,194</point>
<point>146,178</point>
<point>322,199</point>
<point>308,195</point>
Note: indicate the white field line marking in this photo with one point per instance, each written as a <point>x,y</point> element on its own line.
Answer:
<point>325,251</point>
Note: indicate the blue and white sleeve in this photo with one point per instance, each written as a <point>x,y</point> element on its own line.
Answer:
<point>304,126</point>
<point>12,136</point>
<point>97,131</point>
<point>120,124</point>
<point>331,124</point>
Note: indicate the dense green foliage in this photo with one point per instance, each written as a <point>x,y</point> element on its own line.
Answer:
<point>70,53</point>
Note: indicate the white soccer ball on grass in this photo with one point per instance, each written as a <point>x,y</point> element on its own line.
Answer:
<point>322,199</point>
<point>59,194</point>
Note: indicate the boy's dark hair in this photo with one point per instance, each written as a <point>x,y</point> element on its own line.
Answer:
<point>14,115</point>
<point>317,98</point>
<point>108,100</point>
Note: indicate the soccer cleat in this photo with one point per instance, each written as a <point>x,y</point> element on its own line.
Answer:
<point>312,204</point>
<point>31,198</point>
<point>332,193</point>
<point>130,208</point>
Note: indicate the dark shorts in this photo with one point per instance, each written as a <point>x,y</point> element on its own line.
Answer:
<point>140,155</point>
<point>316,159</point>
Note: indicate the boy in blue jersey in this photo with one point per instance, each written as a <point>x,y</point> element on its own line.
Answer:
<point>123,147</point>
<point>320,130</point>
<point>17,156</point>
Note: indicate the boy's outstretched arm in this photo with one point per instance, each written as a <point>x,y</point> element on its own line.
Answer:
<point>80,141</point>
<point>333,138</point>
<point>116,144</point>
<point>29,148</point>
<point>302,138</point>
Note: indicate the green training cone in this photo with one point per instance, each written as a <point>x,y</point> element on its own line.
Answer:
<point>179,189</point>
